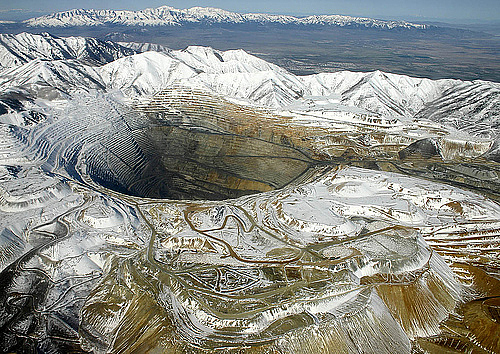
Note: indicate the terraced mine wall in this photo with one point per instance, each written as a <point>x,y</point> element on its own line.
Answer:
<point>190,144</point>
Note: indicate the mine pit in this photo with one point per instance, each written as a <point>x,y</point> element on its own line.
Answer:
<point>192,146</point>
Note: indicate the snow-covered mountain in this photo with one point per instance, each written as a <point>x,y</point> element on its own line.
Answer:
<point>145,73</point>
<point>169,16</point>
<point>470,106</point>
<point>51,78</point>
<point>144,47</point>
<point>465,105</point>
<point>385,93</point>
<point>473,107</point>
<point>21,48</point>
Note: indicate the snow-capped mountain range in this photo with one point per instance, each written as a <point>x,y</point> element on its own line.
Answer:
<point>169,16</point>
<point>63,66</point>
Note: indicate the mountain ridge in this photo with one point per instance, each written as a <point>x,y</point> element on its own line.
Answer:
<point>170,16</point>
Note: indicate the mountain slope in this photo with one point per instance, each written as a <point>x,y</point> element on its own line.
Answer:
<point>473,107</point>
<point>145,73</point>
<point>19,49</point>
<point>379,92</point>
<point>50,79</point>
<point>169,16</point>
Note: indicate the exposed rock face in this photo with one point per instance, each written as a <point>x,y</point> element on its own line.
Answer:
<point>187,221</point>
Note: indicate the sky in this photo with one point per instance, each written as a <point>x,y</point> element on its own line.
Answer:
<point>447,10</point>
